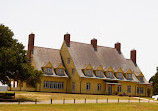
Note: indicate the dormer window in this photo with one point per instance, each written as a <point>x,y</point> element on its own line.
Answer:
<point>48,70</point>
<point>60,71</point>
<point>129,76</point>
<point>99,73</point>
<point>89,72</point>
<point>119,75</point>
<point>110,75</point>
<point>141,79</point>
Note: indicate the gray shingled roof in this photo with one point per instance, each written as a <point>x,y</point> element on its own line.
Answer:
<point>42,56</point>
<point>83,54</point>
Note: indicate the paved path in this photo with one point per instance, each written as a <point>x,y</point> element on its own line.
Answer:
<point>84,101</point>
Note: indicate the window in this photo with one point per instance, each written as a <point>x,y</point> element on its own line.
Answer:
<point>129,76</point>
<point>110,74</point>
<point>140,90</point>
<point>73,71</point>
<point>53,85</point>
<point>60,71</point>
<point>128,89</point>
<point>141,79</point>
<point>68,60</point>
<point>89,72</point>
<point>99,87</point>
<point>100,73</point>
<point>119,88</point>
<point>119,75</point>
<point>88,86</point>
<point>48,70</point>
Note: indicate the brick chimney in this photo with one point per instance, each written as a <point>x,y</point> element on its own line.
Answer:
<point>118,47</point>
<point>94,44</point>
<point>30,45</point>
<point>67,39</point>
<point>133,56</point>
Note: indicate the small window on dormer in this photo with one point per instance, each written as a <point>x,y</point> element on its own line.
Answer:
<point>89,72</point>
<point>100,73</point>
<point>110,75</point>
<point>141,79</point>
<point>120,75</point>
<point>60,71</point>
<point>48,70</point>
<point>68,60</point>
<point>129,76</point>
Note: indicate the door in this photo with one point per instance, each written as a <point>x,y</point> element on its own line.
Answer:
<point>73,87</point>
<point>109,89</point>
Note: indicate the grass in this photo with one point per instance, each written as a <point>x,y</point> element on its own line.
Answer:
<point>60,96</point>
<point>83,107</point>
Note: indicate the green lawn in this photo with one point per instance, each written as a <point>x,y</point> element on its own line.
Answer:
<point>83,107</point>
<point>60,96</point>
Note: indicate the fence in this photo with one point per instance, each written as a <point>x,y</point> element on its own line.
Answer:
<point>79,101</point>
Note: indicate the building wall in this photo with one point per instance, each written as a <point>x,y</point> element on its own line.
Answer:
<point>69,66</point>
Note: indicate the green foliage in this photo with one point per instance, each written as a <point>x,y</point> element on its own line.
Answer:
<point>154,79</point>
<point>14,63</point>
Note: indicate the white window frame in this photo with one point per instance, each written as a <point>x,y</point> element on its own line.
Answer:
<point>88,86</point>
<point>53,85</point>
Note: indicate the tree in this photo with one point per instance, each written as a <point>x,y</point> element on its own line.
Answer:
<point>154,79</point>
<point>14,64</point>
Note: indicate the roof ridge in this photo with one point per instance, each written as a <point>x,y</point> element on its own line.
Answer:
<point>46,48</point>
<point>90,44</point>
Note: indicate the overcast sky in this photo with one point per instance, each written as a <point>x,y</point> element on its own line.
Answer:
<point>133,23</point>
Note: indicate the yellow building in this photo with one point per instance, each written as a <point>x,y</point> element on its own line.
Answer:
<point>86,68</point>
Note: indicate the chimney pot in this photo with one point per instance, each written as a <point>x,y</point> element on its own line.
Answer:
<point>30,45</point>
<point>133,56</point>
<point>67,39</point>
<point>94,44</point>
<point>118,47</point>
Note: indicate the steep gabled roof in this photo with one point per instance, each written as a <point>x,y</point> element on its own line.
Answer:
<point>42,56</point>
<point>83,54</point>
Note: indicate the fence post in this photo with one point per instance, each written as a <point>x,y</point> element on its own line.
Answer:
<point>51,101</point>
<point>14,95</point>
<point>139,100</point>
<point>74,101</point>
<point>18,101</point>
<point>35,101</point>
<point>129,100</point>
<point>64,101</point>
<point>97,100</point>
<point>85,100</point>
<point>149,101</point>
<point>107,100</point>
<point>118,100</point>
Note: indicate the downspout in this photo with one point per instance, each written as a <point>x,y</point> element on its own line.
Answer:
<point>80,85</point>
